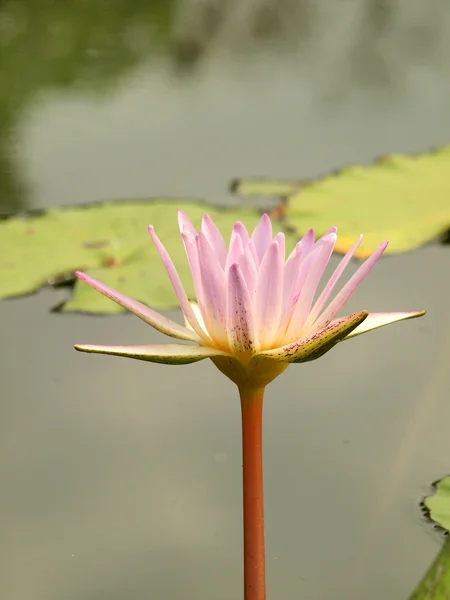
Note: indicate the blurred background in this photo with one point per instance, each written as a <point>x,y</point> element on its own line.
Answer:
<point>122,479</point>
<point>119,98</point>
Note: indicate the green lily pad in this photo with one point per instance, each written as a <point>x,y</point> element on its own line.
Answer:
<point>437,506</point>
<point>110,242</point>
<point>405,199</point>
<point>435,585</point>
<point>264,188</point>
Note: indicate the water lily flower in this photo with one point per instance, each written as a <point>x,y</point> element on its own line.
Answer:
<point>255,312</point>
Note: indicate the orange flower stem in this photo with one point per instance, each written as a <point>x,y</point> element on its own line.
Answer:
<point>252,471</point>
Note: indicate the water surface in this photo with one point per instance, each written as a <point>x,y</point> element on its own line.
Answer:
<point>122,479</point>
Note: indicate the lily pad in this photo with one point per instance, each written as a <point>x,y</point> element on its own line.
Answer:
<point>435,585</point>
<point>437,506</point>
<point>402,198</point>
<point>110,242</point>
<point>266,188</point>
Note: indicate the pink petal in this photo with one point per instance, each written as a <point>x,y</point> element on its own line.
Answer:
<point>318,260</point>
<point>297,267</point>
<point>214,292</point>
<point>375,320</point>
<point>349,288</point>
<point>290,274</point>
<point>295,272</point>
<point>169,354</point>
<point>236,247</point>
<point>188,236</point>
<point>249,272</point>
<point>315,345</point>
<point>280,238</point>
<point>269,295</point>
<point>242,338</point>
<point>199,316</point>
<point>190,246</point>
<point>176,284</point>
<point>215,239</point>
<point>185,224</point>
<point>241,230</point>
<point>251,250</point>
<point>145,313</point>
<point>262,235</point>
<point>323,298</point>
<point>304,245</point>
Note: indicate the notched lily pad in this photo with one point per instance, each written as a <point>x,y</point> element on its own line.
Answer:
<point>110,242</point>
<point>402,198</point>
<point>437,506</point>
<point>435,584</point>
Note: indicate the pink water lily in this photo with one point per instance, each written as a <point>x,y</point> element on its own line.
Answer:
<point>256,312</point>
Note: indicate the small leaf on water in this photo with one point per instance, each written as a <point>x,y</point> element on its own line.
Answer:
<point>435,584</point>
<point>438,504</point>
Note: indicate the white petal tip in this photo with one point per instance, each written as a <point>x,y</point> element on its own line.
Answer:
<point>169,354</point>
<point>376,320</point>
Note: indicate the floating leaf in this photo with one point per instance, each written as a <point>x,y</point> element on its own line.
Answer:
<point>110,242</point>
<point>405,199</point>
<point>436,583</point>
<point>265,188</point>
<point>437,506</point>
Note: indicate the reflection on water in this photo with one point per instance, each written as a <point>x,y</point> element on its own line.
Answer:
<point>116,487</point>
<point>204,70</point>
<point>47,46</point>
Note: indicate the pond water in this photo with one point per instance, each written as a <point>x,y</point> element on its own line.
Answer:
<point>122,479</point>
